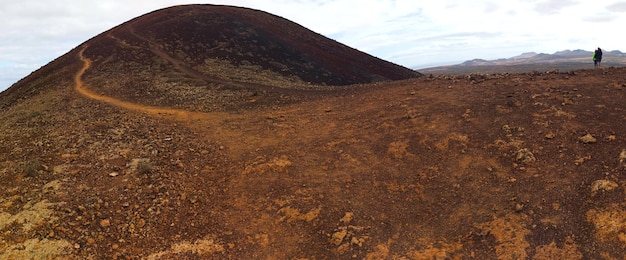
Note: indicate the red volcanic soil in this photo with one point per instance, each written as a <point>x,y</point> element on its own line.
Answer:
<point>503,166</point>
<point>250,37</point>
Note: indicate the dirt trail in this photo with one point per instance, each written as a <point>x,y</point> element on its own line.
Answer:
<point>207,124</point>
<point>166,112</point>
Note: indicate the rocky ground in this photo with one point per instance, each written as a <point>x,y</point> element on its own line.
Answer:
<point>503,166</point>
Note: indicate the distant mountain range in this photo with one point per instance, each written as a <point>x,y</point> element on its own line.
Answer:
<point>566,60</point>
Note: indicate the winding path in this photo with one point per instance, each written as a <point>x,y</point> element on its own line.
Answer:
<point>212,125</point>
<point>239,133</point>
<point>82,89</point>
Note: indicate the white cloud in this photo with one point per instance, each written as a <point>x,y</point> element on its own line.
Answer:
<point>551,7</point>
<point>617,7</point>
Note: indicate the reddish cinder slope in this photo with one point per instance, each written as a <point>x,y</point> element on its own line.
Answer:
<point>240,35</point>
<point>208,57</point>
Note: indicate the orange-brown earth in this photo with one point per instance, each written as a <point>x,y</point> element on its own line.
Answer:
<point>125,149</point>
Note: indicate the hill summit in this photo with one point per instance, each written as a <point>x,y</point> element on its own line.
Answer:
<point>184,54</point>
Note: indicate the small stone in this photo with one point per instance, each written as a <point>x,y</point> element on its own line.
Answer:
<point>622,158</point>
<point>91,241</point>
<point>141,223</point>
<point>113,174</point>
<point>115,246</point>
<point>105,223</point>
<point>338,237</point>
<point>519,207</point>
<point>347,217</point>
<point>602,185</point>
<point>69,156</point>
<point>525,155</point>
<point>550,135</point>
<point>587,139</point>
<point>567,101</point>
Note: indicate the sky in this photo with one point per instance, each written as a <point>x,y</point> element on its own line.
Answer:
<point>412,33</point>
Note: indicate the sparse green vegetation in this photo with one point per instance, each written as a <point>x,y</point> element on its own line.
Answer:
<point>144,167</point>
<point>32,167</point>
<point>35,114</point>
<point>248,72</point>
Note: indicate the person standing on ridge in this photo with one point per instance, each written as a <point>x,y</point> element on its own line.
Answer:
<point>597,58</point>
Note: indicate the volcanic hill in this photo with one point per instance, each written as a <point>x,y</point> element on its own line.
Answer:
<point>217,132</point>
<point>197,56</point>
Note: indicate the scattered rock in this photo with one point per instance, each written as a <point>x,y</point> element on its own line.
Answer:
<point>602,185</point>
<point>581,160</point>
<point>587,139</point>
<point>550,135</point>
<point>358,241</point>
<point>141,223</point>
<point>525,156</point>
<point>105,223</point>
<point>68,156</point>
<point>622,158</point>
<point>567,101</point>
<point>52,187</point>
<point>59,169</point>
<point>412,114</point>
<point>338,236</point>
<point>506,129</point>
<point>347,217</point>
